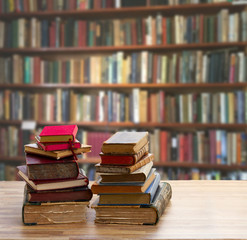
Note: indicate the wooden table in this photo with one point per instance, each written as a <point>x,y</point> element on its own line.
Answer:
<point>198,210</point>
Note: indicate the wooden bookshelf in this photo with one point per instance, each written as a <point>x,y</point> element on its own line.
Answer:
<point>148,125</point>
<point>130,11</point>
<point>109,49</point>
<point>205,166</point>
<point>177,88</point>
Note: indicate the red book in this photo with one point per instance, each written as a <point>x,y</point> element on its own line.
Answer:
<point>80,33</point>
<point>190,147</point>
<point>57,146</point>
<point>163,146</point>
<point>44,168</point>
<point>123,159</point>
<point>62,133</point>
<point>64,195</point>
<point>164,38</point>
<point>42,185</point>
<point>181,148</point>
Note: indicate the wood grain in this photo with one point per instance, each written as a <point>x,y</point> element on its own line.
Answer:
<point>198,210</point>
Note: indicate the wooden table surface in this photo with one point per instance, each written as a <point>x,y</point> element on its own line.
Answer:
<point>198,210</point>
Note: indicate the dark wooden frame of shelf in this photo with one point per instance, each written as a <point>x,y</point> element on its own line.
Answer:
<point>102,49</point>
<point>229,126</point>
<point>126,86</point>
<point>122,12</point>
<point>205,166</point>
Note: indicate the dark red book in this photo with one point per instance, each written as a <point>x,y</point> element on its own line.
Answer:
<point>62,133</point>
<point>123,159</point>
<point>164,37</point>
<point>163,143</point>
<point>43,168</point>
<point>62,195</point>
<point>44,185</point>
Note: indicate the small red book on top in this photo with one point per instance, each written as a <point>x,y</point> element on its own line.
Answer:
<point>54,146</point>
<point>62,133</point>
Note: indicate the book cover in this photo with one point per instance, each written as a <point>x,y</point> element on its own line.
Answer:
<point>125,142</point>
<point>53,212</point>
<point>140,214</point>
<point>124,169</point>
<point>99,188</point>
<point>139,175</point>
<point>42,185</point>
<point>53,146</point>
<point>44,168</point>
<point>33,148</point>
<point>123,159</point>
<point>131,198</point>
<point>61,133</point>
<point>62,195</point>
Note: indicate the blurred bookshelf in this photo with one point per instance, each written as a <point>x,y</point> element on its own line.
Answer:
<point>174,68</point>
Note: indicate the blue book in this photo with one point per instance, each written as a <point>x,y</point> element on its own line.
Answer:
<point>223,147</point>
<point>240,107</point>
<point>145,198</point>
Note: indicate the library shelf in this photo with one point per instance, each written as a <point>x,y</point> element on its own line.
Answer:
<point>223,167</point>
<point>21,159</point>
<point>122,12</point>
<point>144,125</point>
<point>175,164</point>
<point>125,48</point>
<point>169,86</point>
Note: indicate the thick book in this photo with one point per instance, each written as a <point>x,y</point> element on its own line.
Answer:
<point>55,146</point>
<point>61,195</point>
<point>121,187</point>
<point>62,133</point>
<point>139,175</point>
<point>124,169</point>
<point>123,159</point>
<point>53,212</point>
<point>33,148</point>
<point>135,214</point>
<point>125,142</point>
<point>44,168</point>
<point>131,198</point>
<point>43,185</point>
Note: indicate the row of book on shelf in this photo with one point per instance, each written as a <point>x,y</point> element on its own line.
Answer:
<point>179,29</point>
<point>10,6</point>
<point>134,106</point>
<point>208,147</point>
<point>221,66</point>
<point>8,173</point>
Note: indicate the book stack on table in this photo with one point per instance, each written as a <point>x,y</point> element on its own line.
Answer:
<point>56,189</point>
<point>129,189</point>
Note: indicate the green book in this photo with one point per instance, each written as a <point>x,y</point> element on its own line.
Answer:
<point>27,69</point>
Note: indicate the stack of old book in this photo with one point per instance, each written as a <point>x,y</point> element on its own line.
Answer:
<point>129,189</point>
<point>56,189</point>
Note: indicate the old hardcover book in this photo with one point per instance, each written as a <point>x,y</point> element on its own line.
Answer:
<point>139,175</point>
<point>124,169</point>
<point>53,146</point>
<point>131,198</point>
<point>62,133</point>
<point>125,142</point>
<point>42,185</point>
<point>62,195</point>
<point>53,212</point>
<point>33,148</point>
<point>139,214</point>
<point>43,168</point>
<point>122,187</point>
<point>123,159</point>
